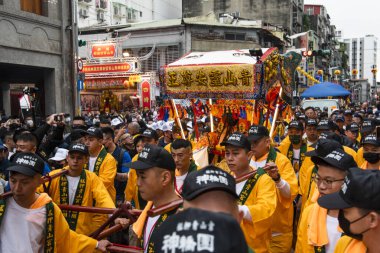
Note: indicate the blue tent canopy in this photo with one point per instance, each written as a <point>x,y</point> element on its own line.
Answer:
<point>325,89</point>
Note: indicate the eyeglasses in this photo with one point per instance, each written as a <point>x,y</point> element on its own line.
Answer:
<point>328,182</point>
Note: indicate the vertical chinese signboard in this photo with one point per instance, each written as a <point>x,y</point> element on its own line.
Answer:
<point>145,92</point>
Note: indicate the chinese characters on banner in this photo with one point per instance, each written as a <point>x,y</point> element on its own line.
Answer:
<point>145,91</point>
<point>108,68</point>
<point>216,81</point>
<point>103,51</point>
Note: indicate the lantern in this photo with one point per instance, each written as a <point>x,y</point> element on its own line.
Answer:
<point>354,72</point>
<point>320,72</point>
<point>337,72</point>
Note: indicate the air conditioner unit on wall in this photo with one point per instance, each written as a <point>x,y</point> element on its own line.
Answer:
<point>83,13</point>
<point>100,16</point>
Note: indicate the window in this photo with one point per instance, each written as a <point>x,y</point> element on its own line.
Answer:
<point>33,6</point>
<point>234,36</point>
<point>152,63</point>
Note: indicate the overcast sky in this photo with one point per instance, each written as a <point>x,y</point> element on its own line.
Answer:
<point>354,18</point>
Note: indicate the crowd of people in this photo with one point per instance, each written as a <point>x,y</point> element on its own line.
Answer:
<point>315,189</point>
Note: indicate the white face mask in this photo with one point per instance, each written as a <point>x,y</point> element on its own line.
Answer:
<point>29,123</point>
<point>67,120</point>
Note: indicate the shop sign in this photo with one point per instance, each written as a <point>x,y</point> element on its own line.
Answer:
<point>135,78</point>
<point>145,91</point>
<point>108,68</point>
<point>108,83</point>
<point>103,50</point>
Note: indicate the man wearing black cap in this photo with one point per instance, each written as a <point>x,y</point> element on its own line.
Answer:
<point>311,131</point>
<point>257,195</point>
<point>31,222</point>
<point>101,162</point>
<point>318,227</point>
<point>371,152</point>
<point>279,168</point>
<point>211,211</point>
<point>368,127</point>
<point>79,187</point>
<point>359,211</point>
<point>297,148</point>
<point>352,133</point>
<point>306,184</point>
<point>339,121</point>
<point>348,116</point>
<point>155,179</point>
<point>149,136</point>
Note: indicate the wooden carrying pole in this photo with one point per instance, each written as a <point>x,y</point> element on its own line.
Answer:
<point>90,209</point>
<point>117,248</point>
<point>273,127</point>
<point>44,179</point>
<point>177,118</point>
<point>211,117</point>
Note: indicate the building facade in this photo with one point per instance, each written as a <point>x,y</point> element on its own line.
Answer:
<point>36,48</point>
<point>362,54</point>
<point>285,14</point>
<point>103,13</point>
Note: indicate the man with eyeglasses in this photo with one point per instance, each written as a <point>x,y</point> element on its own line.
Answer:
<point>358,203</point>
<point>280,169</point>
<point>318,228</point>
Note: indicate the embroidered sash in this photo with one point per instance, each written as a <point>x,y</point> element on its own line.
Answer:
<point>99,161</point>
<point>49,225</point>
<point>290,156</point>
<point>249,185</point>
<point>72,216</point>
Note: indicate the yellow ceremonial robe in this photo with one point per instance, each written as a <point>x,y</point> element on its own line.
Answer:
<point>312,232</point>
<point>131,190</point>
<point>360,158</point>
<point>283,216</point>
<point>65,240</point>
<point>95,192</point>
<point>348,244</point>
<point>261,203</point>
<point>365,165</point>
<point>107,174</point>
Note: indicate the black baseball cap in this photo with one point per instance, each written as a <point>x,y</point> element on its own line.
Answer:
<point>78,147</point>
<point>257,132</point>
<point>323,147</point>
<point>339,118</point>
<point>95,132</point>
<point>202,230</point>
<point>325,125</point>
<point>295,124</point>
<point>368,126</point>
<point>153,156</point>
<point>361,188</point>
<point>28,164</point>
<point>311,122</point>
<point>348,112</point>
<point>337,159</point>
<point>150,133</point>
<point>76,134</point>
<point>331,136</point>
<point>371,139</point>
<point>237,139</point>
<point>209,178</point>
<point>353,127</point>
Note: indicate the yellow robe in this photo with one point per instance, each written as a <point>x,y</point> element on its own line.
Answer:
<point>283,216</point>
<point>348,244</point>
<point>360,158</point>
<point>107,173</point>
<point>94,192</point>
<point>131,190</point>
<point>284,147</point>
<point>65,240</point>
<point>312,229</point>
<point>261,203</point>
